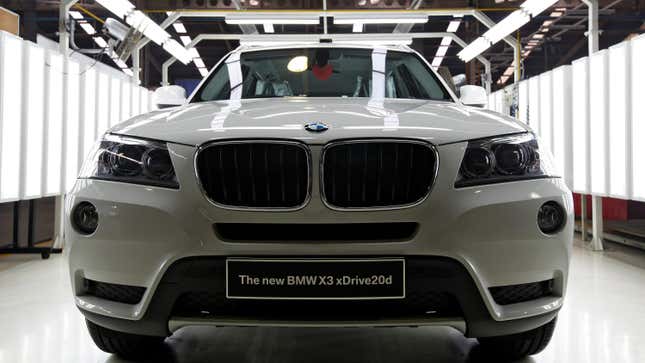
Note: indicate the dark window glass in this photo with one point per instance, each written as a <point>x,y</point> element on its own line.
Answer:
<point>321,72</point>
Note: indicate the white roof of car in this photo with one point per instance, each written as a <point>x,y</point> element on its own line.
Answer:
<point>289,45</point>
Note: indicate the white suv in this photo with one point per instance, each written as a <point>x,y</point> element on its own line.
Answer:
<point>321,186</point>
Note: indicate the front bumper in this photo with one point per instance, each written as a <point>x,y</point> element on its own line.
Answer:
<point>490,231</point>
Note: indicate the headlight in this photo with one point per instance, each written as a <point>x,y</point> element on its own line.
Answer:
<point>503,159</point>
<point>131,160</point>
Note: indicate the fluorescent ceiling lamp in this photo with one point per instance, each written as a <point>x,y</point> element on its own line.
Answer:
<point>538,36</point>
<point>76,15</point>
<point>193,53</point>
<point>376,42</point>
<point>508,25</point>
<point>453,26</point>
<point>88,28</point>
<point>180,28</point>
<point>239,19</point>
<point>436,62</point>
<point>203,71</point>
<point>474,49</point>
<point>268,28</point>
<point>182,54</point>
<point>556,14</point>
<point>120,8</point>
<point>446,41</point>
<point>441,51</point>
<point>185,39</point>
<point>535,7</point>
<point>149,28</point>
<point>199,63</point>
<point>381,19</point>
<point>357,28</point>
<point>100,42</point>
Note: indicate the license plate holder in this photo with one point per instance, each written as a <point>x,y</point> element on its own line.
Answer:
<point>315,279</point>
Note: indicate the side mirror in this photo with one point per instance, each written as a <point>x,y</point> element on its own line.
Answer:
<point>169,96</point>
<point>473,96</point>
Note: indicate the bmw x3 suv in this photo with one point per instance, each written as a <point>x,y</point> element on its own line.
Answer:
<point>320,185</point>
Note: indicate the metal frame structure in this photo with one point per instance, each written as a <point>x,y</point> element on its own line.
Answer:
<point>311,38</point>
<point>477,14</point>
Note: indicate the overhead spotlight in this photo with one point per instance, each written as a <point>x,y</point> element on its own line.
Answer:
<point>474,49</point>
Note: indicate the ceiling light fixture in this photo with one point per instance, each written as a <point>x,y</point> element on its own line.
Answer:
<point>453,26</point>
<point>505,27</point>
<point>380,19</point>
<point>261,19</point>
<point>143,24</point>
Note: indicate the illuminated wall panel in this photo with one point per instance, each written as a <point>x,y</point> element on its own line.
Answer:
<point>32,120</point>
<point>88,119</point>
<point>102,104</point>
<point>136,103</point>
<point>72,125</point>
<point>115,101</point>
<point>126,101</point>
<point>561,96</point>
<point>143,100</point>
<point>534,104</point>
<point>54,124</point>
<point>580,124</point>
<point>638,117</point>
<point>523,101</point>
<point>598,115</point>
<point>546,110</point>
<point>619,120</point>
<point>10,111</point>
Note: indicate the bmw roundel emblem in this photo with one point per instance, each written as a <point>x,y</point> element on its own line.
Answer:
<point>316,127</point>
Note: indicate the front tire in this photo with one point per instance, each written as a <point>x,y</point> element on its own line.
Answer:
<point>517,346</point>
<point>125,345</point>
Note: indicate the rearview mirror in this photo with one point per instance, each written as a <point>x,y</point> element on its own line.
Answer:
<point>473,96</point>
<point>169,96</point>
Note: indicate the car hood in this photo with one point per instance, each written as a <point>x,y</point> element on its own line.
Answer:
<point>433,121</point>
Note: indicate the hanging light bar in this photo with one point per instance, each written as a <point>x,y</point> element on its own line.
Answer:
<point>474,49</point>
<point>261,19</point>
<point>142,23</point>
<point>505,27</point>
<point>380,19</point>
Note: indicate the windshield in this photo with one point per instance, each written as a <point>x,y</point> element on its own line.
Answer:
<point>322,72</point>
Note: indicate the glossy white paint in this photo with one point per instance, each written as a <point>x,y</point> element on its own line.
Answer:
<point>434,121</point>
<point>600,322</point>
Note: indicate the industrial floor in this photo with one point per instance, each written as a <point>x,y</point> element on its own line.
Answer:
<point>602,321</point>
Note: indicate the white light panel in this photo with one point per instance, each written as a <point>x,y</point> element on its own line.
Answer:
<point>143,100</point>
<point>561,96</point>
<point>638,118</point>
<point>72,125</point>
<point>54,122</point>
<point>88,119</point>
<point>33,120</point>
<point>580,124</point>
<point>523,101</point>
<point>115,101</point>
<point>619,120</point>
<point>102,104</point>
<point>126,101</point>
<point>546,110</point>
<point>598,100</point>
<point>10,111</point>
<point>136,103</point>
<point>534,104</point>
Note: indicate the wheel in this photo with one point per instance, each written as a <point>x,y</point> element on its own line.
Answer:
<point>44,255</point>
<point>516,346</point>
<point>125,345</point>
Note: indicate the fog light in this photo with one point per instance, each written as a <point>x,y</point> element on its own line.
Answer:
<point>550,217</point>
<point>85,218</point>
